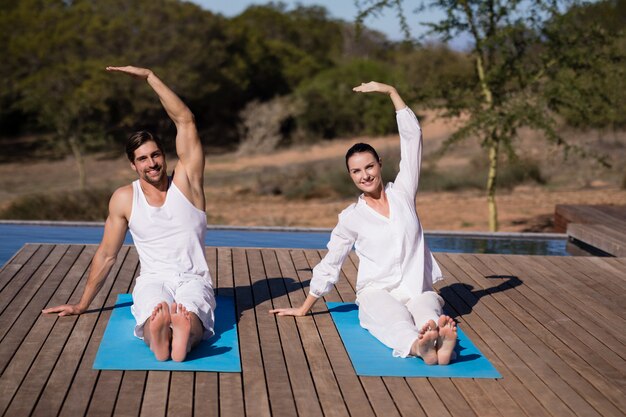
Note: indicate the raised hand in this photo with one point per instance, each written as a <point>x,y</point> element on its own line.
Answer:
<point>374,87</point>
<point>64,310</point>
<point>142,73</point>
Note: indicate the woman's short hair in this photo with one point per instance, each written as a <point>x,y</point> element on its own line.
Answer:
<point>139,138</point>
<point>359,148</point>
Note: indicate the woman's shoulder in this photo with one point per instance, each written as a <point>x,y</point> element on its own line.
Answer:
<point>348,214</point>
<point>348,211</point>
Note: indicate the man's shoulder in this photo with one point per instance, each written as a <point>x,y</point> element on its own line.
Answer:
<point>125,191</point>
<point>122,198</point>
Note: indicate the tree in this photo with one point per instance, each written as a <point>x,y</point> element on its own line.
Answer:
<point>332,110</point>
<point>55,58</point>
<point>515,53</point>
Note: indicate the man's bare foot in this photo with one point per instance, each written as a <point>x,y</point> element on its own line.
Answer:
<point>447,340</point>
<point>424,346</point>
<point>160,331</point>
<point>181,329</point>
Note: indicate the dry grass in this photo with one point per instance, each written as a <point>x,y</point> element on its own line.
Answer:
<point>240,189</point>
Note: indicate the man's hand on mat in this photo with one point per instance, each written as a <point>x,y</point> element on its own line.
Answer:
<point>136,72</point>
<point>64,310</point>
<point>298,312</point>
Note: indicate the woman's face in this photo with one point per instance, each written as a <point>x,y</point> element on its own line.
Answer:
<point>366,172</point>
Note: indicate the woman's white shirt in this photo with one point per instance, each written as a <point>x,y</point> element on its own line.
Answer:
<point>391,251</point>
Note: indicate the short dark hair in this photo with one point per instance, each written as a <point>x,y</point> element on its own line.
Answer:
<point>139,138</point>
<point>361,147</point>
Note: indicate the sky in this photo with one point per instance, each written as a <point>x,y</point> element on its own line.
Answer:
<point>386,23</point>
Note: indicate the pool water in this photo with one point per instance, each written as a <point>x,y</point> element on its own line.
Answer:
<point>14,236</point>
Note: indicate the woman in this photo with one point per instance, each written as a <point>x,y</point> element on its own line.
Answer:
<point>394,287</point>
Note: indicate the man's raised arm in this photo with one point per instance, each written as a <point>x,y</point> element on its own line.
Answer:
<point>188,145</point>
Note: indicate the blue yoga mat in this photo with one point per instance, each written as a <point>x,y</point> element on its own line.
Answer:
<point>371,358</point>
<point>121,350</point>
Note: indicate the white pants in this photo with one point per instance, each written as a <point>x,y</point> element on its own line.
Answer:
<point>193,292</point>
<point>395,317</point>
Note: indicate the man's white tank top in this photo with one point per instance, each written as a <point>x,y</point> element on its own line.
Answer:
<point>170,238</point>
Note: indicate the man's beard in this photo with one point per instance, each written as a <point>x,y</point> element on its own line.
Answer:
<point>149,179</point>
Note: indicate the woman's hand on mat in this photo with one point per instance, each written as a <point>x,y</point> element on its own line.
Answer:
<point>65,310</point>
<point>374,87</point>
<point>142,73</point>
<point>298,312</point>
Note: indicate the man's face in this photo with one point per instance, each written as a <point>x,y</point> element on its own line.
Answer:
<point>150,163</point>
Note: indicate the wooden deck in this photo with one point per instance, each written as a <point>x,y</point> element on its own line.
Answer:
<point>600,226</point>
<point>555,328</point>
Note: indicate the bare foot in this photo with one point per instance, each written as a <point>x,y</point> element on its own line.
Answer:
<point>424,346</point>
<point>447,340</point>
<point>160,331</point>
<point>181,329</point>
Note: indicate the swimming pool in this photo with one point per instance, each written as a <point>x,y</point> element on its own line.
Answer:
<point>14,235</point>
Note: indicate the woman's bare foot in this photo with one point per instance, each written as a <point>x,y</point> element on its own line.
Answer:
<point>447,340</point>
<point>424,346</point>
<point>181,329</point>
<point>160,331</point>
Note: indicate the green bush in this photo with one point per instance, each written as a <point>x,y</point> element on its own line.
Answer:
<point>332,109</point>
<point>87,205</point>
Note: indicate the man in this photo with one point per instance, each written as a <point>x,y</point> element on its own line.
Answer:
<point>173,301</point>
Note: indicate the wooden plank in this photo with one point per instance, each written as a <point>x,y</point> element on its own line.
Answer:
<point>13,287</point>
<point>205,390</point>
<point>576,281</point>
<point>512,367</point>
<point>62,348</point>
<point>583,359</point>
<point>614,280</point>
<point>550,317</point>
<point>15,367</point>
<point>277,377</point>
<point>131,392</point>
<point>130,395</point>
<point>403,397</point>
<point>313,328</point>
<point>530,331</point>
<point>379,396</point>
<point>155,398</point>
<point>383,401</point>
<point>368,390</point>
<point>599,236</point>
<point>17,324</point>
<point>451,398</point>
<point>16,304</point>
<point>256,398</point>
<point>230,395</point>
<point>15,263</point>
<point>588,214</point>
<point>302,387</point>
<point>76,359</point>
<point>428,398</point>
<point>476,393</point>
<point>180,402</point>
<point>592,326</point>
<point>602,277</point>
